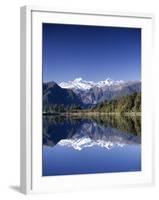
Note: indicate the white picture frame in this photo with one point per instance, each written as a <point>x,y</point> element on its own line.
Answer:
<point>31,105</point>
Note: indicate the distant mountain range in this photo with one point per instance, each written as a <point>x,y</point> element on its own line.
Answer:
<point>80,84</point>
<point>82,92</point>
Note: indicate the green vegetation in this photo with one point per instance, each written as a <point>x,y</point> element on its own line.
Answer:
<point>55,108</point>
<point>125,104</point>
<point>129,124</point>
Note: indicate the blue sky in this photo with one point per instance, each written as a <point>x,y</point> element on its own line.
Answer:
<point>91,52</point>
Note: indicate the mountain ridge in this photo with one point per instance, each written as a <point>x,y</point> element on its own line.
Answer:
<point>54,94</point>
<point>81,84</point>
<point>91,93</point>
<point>95,92</point>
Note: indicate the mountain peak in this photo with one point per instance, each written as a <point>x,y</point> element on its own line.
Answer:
<point>81,84</point>
<point>108,79</point>
<point>77,83</point>
<point>78,79</point>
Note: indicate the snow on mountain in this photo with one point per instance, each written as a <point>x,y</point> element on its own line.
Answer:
<point>93,134</point>
<point>95,92</point>
<point>109,82</point>
<point>105,142</point>
<point>78,83</point>
<point>84,142</point>
<point>81,84</point>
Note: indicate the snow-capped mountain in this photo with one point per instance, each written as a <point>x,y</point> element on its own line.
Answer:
<point>95,92</point>
<point>81,84</point>
<point>109,82</point>
<point>92,134</point>
<point>84,133</point>
<point>84,142</point>
<point>78,83</point>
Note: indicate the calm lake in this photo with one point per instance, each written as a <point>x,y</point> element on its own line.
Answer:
<point>91,144</point>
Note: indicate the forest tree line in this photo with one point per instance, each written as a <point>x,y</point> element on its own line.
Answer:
<point>130,103</point>
<point>125,104</point>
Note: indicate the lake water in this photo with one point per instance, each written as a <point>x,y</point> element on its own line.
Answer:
<point>97,144</point>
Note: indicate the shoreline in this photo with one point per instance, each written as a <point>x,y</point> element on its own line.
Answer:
<point>92,114</point>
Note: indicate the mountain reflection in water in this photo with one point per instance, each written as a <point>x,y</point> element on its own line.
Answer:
<point>85,134</point>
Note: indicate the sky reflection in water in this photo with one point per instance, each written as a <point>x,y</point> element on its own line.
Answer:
<point>83,145</point>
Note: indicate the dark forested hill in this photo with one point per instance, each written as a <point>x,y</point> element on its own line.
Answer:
<point>130,103</point>
<point>55,96</point>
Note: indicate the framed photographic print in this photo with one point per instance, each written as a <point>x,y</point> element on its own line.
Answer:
<point>86,100</point>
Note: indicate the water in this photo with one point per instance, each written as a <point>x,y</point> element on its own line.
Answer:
<point>94,144</point>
